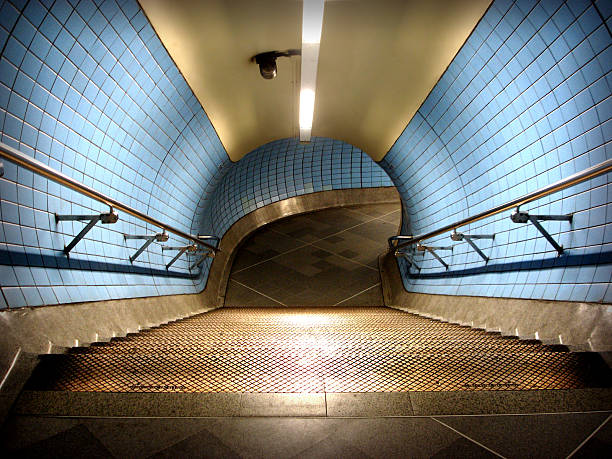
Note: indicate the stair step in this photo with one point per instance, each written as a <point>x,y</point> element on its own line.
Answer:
<point>317,350</point>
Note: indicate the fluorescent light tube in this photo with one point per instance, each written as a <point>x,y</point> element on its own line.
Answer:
<point>307,98</point>
<point>312,23</point>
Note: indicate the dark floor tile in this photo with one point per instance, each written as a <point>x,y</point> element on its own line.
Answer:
<point>332,447</point>
<point>263,245</point>
<point>356,248</point>
<point>397,437</point>
<point>462,447</point>
<point>271,437</point>
<point>20,432</point>
<point>316,225</point>
<point>336,267</point>
<point>376,210</point>
<point>377,230</point>
<point>201,444</point>
<point>321,254</point>
<point>138,438</point>
<point>373,296</point>
<point>72,443</point>
<point>302,278</point>
<point>545,435</point>
<point>348,253</point>
<point>238,295</point>
<point>599,445</point>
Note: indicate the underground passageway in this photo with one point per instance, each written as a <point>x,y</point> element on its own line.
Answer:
<point>306,228</point>
<point>325,258</point>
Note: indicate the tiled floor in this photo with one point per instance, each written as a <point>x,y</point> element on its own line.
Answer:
<point>325,258</point>
<point>512,436</point>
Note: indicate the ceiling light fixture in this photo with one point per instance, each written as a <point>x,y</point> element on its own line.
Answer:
<point>312,23</point>
<point>267,61</point>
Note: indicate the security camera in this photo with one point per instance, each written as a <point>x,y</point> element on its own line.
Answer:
<point>267,61</point>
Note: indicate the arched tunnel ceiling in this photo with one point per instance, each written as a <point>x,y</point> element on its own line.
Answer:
<point>378,61</point>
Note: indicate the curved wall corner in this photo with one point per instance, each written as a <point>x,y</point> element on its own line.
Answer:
<point>240,230</point>
<point>526,101</point>
<point>281,170</point>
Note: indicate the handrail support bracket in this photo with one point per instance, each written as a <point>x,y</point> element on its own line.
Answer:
<point>456,236</point>
<point>432,250</point>
<point>108,218</point>
<point>149,239</point>
<point>523,217</point>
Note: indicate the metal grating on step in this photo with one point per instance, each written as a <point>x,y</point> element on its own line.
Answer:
<point>316,350</point>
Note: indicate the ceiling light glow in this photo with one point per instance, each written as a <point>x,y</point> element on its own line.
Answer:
<point>312,24</point>
<point>307,98</point>
<point>312,21</point>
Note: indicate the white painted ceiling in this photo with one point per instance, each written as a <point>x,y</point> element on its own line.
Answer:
<point>378,61</point>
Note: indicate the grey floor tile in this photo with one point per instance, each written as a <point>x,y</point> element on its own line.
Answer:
<point>332,447</point>
<point>599,445</point>
<point>20,432</point>
<point>377,231</point>
<point>462,447</point>
<point>341,263</point>
<point>299,278</point>
<point>271,437</point>
<point>75,442</point>
<point>137,438</point>
<point>515,401</point>
<point>279,404</point>
<point>376,210</point>
<point>355,248</point>
<point>369,404</point>
<point>397,437</point>
<point>201,444</point>
<point>263,245</point>
<point>238,295</point>
<point>543,435</point>
<point>373,296</point>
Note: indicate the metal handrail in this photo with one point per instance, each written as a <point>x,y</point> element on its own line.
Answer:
<point>21,159</point>
<point>574,179</point>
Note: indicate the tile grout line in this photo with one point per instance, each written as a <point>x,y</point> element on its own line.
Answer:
<point>589,437</point>
<point>470,439</point>
<point>262,294</point>
<point>272,258</point>
<point>343,257</point>
<point>357,294</point>
<point>306,243</point>
<point>379,217</point>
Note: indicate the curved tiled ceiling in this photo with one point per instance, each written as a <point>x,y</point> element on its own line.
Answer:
<point>378,62</point>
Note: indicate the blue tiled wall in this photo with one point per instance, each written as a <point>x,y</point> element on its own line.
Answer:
<point>88,88</point>
<point>283,169</point>
<point>526,101</point>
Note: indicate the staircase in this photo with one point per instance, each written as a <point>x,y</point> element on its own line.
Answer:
<point>316,350</point>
